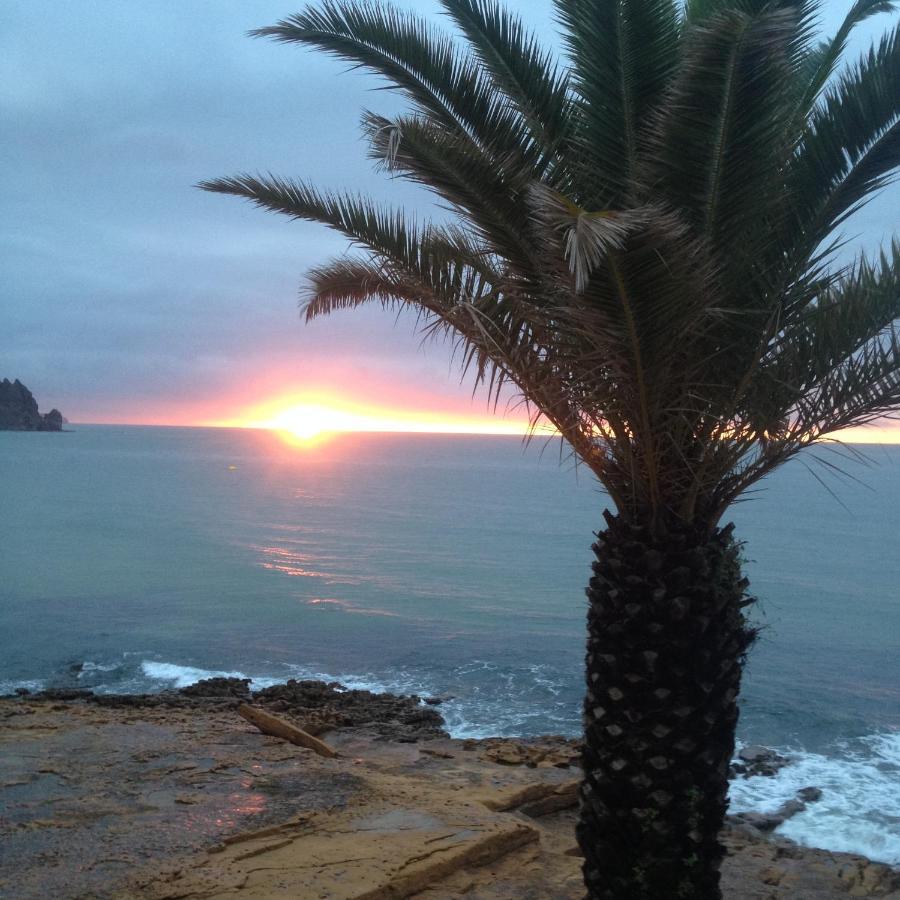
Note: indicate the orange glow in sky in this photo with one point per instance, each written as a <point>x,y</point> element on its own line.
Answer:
<point>871,434</point>
<point>346,400</point>
<point>306,417</point>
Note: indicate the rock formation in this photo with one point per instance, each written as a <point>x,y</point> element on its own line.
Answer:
<point>174,795</point>
<point>19,410</point>
<point>314,706</point>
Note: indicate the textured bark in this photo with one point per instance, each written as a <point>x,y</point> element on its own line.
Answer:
<point>666,644</point>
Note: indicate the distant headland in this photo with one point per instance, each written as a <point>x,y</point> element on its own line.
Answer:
<point>19,410</point>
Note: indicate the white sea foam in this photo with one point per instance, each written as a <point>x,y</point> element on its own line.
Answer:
<point>481,710</point>
<point>10,687</point>
<point>860,807</point>
<point>175,676</point>
<point>88,666</point>
<point>400,682</point>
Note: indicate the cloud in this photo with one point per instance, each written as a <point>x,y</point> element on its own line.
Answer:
<point>125,287</point>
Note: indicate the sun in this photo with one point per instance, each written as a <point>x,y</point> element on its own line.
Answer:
<point>307,421</point>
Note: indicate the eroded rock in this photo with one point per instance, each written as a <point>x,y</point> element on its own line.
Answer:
<point>545,752</point>
<point>758,760</point>
<point>218,687</point>
<point>320,706</point>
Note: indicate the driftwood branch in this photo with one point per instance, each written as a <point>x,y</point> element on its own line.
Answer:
<point>269,724</point>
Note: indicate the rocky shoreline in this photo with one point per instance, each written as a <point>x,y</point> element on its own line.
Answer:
<point>321,706</point>
<point>175,795</point>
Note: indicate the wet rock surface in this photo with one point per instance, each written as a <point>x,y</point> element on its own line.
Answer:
<point>757,760</point>
<point>88,793</point>
<point>759,868</point>
<point>766,822</point>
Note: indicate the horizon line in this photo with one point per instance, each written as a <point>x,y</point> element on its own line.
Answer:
<point>337,431</point>
<point>862,438</point>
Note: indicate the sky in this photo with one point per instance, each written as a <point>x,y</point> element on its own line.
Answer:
<point>129,296</point>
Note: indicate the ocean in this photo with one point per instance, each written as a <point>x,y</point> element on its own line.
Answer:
<point>138,559</point>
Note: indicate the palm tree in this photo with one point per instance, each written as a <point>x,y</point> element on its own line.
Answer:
<point>645,248</point>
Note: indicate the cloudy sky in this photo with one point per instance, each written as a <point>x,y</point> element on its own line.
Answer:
<point>126,295</point>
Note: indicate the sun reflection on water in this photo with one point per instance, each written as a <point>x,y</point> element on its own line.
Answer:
<point>298,565</point>
<point>346,606</point>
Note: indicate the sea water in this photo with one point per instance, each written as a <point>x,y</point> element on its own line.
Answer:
<point>138,559</point>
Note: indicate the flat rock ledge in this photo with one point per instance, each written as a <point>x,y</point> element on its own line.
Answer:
<point>184,799</point>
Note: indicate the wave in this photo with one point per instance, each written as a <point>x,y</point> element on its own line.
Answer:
<point>481,699</point>
<point>129,676</point>
<point>860,807</point>
<point>171,676</point>
<point>11,686</point>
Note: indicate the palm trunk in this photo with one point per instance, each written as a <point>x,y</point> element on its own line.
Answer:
<point>666,644</point>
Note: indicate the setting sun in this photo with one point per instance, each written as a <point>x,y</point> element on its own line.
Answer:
<point>307,417</point>
<point>309,421</point>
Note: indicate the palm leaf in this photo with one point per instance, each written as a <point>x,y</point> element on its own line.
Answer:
<point>717,148</point>
<point>519,67</point>
<point>416,59</point>
<point>850,314</point>
<point>485,193</point>
<point>852,145</point>
<point>822,62</point>
<point>622,54</point>
<point>386,233</point>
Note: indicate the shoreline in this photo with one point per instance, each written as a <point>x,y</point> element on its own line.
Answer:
<point>173,794</point>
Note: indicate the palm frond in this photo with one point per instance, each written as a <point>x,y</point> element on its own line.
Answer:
<point>717,148</point>
<point>425,65</point>
<point>585,238</point>
<point>799,48</point>
<point>487,194</point>
<point>387,233</point>
<point>861,391</point>
<point>350,283</point>
<point>622,54</point>
<point>852,146</point>
<point>823,60</point>
<point>852,314</point>
<point>499,345</point>
<point>519,67</point>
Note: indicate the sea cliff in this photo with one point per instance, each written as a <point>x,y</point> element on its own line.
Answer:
<point>19,410</point>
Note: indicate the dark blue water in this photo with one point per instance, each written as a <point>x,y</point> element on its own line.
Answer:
<point>141,558</point>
